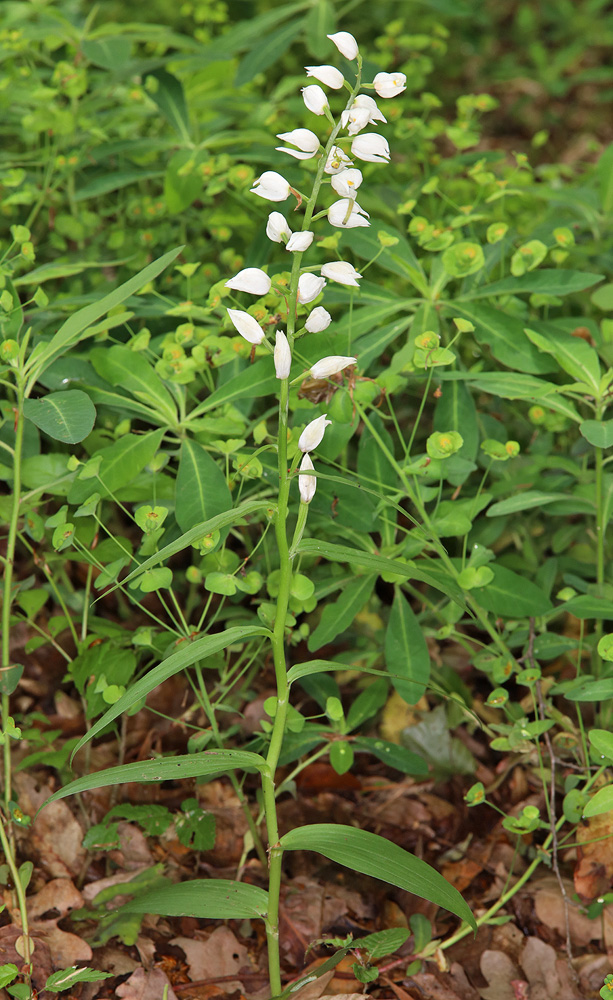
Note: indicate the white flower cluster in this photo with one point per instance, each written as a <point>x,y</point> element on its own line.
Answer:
<point>345,213</point>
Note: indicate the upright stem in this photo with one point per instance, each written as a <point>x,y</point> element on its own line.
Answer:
<point>600,541</point>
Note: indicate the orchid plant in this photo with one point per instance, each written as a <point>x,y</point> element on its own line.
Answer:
<point>344,142</point>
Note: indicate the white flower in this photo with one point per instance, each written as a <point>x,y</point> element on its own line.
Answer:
<point>345,43</point>
<point>389,84</point>
<point>246,326</point>
<point>315,99</point>
<point>309,287</point>
<point>364,101</point>
<point>252,280</point>
<point>331,366</point>
<point>371,147</point>
<point>339,270</point>
<point>271,186</point>
<point>299,242</point>
<point>347,182</point>
<point>347,214</point>
<point>313,433</point>
<point>282,355</point>
<point>355,119</point>
<point>277,228</point>
<point>306,141</point>
<point>307,484</point>
<point>337,160</point>
<point>318,320</point>
<point>330,75</point>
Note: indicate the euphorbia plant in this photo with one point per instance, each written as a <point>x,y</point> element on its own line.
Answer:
<point>357,849</point>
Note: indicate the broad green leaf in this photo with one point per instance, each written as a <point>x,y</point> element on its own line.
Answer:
<point>573,354</point>
<point>587,606</point>
<point>341,756</point>
<point>195,765</point>
<point>406,651</point>
<point>455,411</point>
<point>319,22</point>
<point>132,372</point>
<point>370,854</point>
<point>170,99</point>
<point>398,259</point>
<point>601,802</point>
<point>592,690</point>
<point>604,171</point>
<point>70,331</point>
<point>113,181</point>
<point>393,755</point>
<point>211,899</point>
<point>602,741</point>
<point>503,336</point>
<point>200,531</point>
<point>338,616</point>
<point>189,653</point>
<point>523,501</point>
<point>371,346</point>
<point>269,48</point>
<point>201,490</point>
<point>64,416</point>
<point>512,596</point>
<point>256,380</point>
<point>111,53</point>
<point>367,703</point>
<point>516,385</point>
<point>121,462</point>
<point>57,982</point>
<point>118,403</point>
<point>598,432</point>
<point>547,281</point>
<point>603,297</point>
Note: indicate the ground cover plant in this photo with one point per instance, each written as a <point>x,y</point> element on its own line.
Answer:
<point>307,488</point>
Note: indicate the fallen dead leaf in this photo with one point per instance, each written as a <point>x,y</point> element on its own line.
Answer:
<point>133,851</point>
<point>594,870</point>
<point>434,987</point>
<point>544,973</point>
<point>59,896</point>
<point>91,890</point>
<point>55,837</point>
<point>41,959</point>
<point>500,971</point>
<point>549,908</point>
<point>146,986</point>
<point>220,954</point>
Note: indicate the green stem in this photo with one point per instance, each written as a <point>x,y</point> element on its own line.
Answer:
<point>19,892</point>
<point>600,544</point>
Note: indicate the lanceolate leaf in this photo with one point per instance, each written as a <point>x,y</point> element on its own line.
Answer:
<point>512,596</point>
<point>338,616</point>
<point>132,372</point>
<point>211,899</point>
<point>187,654</point>
<point>170,99</point>
<point>406,652</point>
<point>256,380</point>
<point>373,855</point>
<point>573,355</point>
<point>546,281</point>
<point>202,491</point>
<point>194,765</point>
<point>121,462</point>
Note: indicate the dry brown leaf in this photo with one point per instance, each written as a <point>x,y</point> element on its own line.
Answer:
<point>59,895</point>
<point>219,955</point>
<point>434,987</point>
<point>146,986</point>
<point>91,890</point>
<point>540,964</point>
<point>549,908</point>
<point>66,949</point>
<point>41,959</point>
<point>314,990</point>
<point>55,836</point>
<point>594,870</point>
<point>133,851</point>
<point>500,971</point>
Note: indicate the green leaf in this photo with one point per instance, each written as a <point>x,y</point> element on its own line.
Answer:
<point>8,972</point>
<point>189,653</point>
<point>592,690</point>
<point>70,331</point>
<point>121,462</point>
<point>132,372</point>
<point>113,180</point>
<point>455,411</point>
<point>255,381</point>
<point>603,297</point>
<point>602,741</point>
<point>462,259</point>
<point>338,616</point>
<point>367,703</point>
<point>311,667</point>
<point>211,899</point>
<point>170,99</point>
<point>503,335</point>
<point>341,756</point>
<point>195,765</point>
<point>573,355</point>
<point>598,432</point>
<point>65,979</point>
<point>201,488</point>
<point>604,172</point>
<point>393,755</point>
<point>64,416</point>
<point>406,651</point>
<point>319,22</point>
<point>523,501</point>
<point>547,281</point>
<point>112,53</point>
<point>370,854</point>
<point>516,385</point>
<point>587,606</point>
<point>269,48</point>
<point>512,596</point>
<point>601,802</point>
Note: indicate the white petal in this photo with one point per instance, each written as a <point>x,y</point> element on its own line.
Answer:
<point>309,287</point>
<point>246,326</point>
<point>330,75</point>
<point>331,366</point>
<point>299,242</point>
<point>307,484</point>
<point>303,138</point>
<point>389,84</point>
<point>342,272</point>
<point>282,355</point>
<point>347,182</point>
<point>345,43</point>
<point>313,433</point>
<point>295,152</point>
<point>319,319</point>
<point>271,186</point>
<point>252,280</point>
<point>277,227</point>
<point>315,99</point>
<point>337,160</point>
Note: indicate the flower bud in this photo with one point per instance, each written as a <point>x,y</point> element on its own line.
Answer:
<point>313,433</point>
<point>347,182</point>
<point>337,160</point>
<point>330,75</point>
<point>389,84</point>
<point>345,43</point>
<point>271,186</point>
<point>444,444</point>
<point>246,326</point>
<point>306,141</point>
<point>347,214</point>
<point>339,270</point>
<point>277,228</point>
<point>307,484</point>
<point>282,355</point>
<point>371,147</point>
<point>309,287</point>
<point>299,242</point>
<point>318,320</point>
<point>252,280</point>
<point>315,99</point>
<point>331,366</point>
